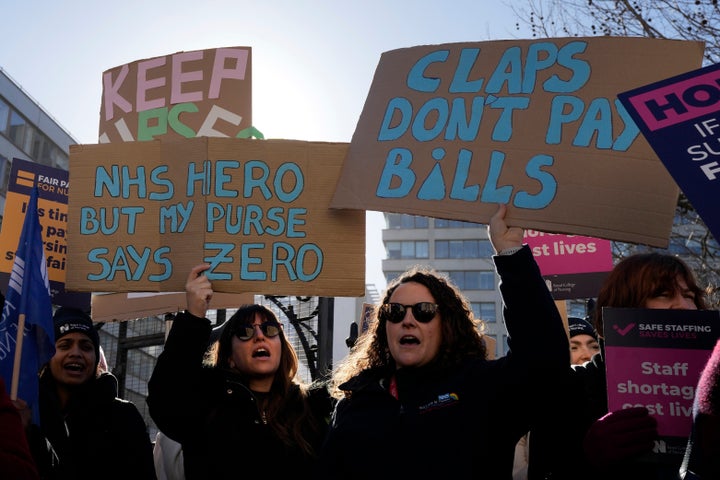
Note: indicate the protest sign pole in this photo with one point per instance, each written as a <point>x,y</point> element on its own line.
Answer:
<point>18,358</point>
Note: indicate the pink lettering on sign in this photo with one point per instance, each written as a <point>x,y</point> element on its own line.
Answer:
<point>221,71</point>
<point>661,380</point>
<point>558,254</point>
<point>178,62</point>
<point>111,91</point>
<point>679,102</point>
<point>144,84</point>
<point>182,72</point>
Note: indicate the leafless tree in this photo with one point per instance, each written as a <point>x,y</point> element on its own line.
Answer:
<point>668,19</point>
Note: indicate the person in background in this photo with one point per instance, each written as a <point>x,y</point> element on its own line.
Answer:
<point>583,340</point>
<point>702,455</point>
<point>167,452</point>
<point>168,457</point>
<point>418,397</point>
<point>16,461</point>
<point>240,410</point>
<point>583,345</point>
<point>611,445</point>
<point>89,432</point>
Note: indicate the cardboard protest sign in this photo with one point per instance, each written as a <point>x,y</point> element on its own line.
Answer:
<point>680,118</point>
<point>450,130</point>
<point>653,359</point>
<point>143,213</point>
<point>185,94</point>
<point>573,266</point>
<point>202,93</point>
<point>112,307</point>
<point>52,212</point>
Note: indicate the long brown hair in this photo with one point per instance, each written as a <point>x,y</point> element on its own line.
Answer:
<point>461,332</point>
<point>642,276</point>
<point>291,424</point>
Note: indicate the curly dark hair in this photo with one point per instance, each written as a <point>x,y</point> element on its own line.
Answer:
<point>462,336</point>
<point>642,276</point>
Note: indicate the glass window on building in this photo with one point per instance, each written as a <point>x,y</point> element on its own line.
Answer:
<point>406,249</point>
<point>485,311</point>
<point>394,220</point>
<point>487,280</point>
<point>60,159</point>
<point>472,280</point>
<point>390,276</point>
<point>442,249</point>
<point>16,132</point>
<point>463,249</point>
<point>505,346</point>
<point>422,249</point>
<point>4,115</point>
<point>31,141</point>
<point>46,153</point>
<point>470,249</point>
<point>455,248</point>
<point>393,250</point>
<point>442,223</point>
<point>398,220</point>
<point>485,249</point>
<point>4,174</point>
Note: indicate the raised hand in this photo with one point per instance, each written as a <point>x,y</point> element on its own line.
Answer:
<point>198,291</point>
<point>502,236</point>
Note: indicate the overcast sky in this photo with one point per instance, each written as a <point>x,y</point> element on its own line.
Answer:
<point>313,60</point>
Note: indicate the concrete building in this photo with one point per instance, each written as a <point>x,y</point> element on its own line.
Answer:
<point>27,132</point>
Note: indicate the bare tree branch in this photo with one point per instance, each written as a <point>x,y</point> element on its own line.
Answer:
<point>697,20</point>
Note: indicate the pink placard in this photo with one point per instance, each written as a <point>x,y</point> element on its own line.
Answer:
<point>558,254</point>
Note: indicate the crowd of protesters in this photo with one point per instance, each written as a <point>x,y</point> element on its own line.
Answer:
<point>417,395</point>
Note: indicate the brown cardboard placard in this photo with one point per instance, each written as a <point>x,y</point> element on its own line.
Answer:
<point>142,214</point>
<point>181,95</point>
<point>117,307</point>
<point>450,130</point>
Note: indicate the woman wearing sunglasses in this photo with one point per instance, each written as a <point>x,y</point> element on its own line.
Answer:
<point>237,410</point>
<point>418,397</point>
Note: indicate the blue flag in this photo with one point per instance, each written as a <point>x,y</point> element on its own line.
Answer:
<point>28,294</point>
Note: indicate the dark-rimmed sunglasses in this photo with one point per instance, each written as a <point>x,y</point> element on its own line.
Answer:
<point>395,312</point>
<point>246,332</point>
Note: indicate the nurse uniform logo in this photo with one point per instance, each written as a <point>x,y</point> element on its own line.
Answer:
<point>443,400</point>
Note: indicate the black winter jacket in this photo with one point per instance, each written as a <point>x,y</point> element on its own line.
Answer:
<point>463,422</point>
<point>214,416</point>
<point>98,436</point>
<point>556,449</point>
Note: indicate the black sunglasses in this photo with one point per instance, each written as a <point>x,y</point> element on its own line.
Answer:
<point>246,332</point>
<point>395,312</point>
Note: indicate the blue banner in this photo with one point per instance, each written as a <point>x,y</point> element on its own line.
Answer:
<point>679,117</point>
<point>28,295</point>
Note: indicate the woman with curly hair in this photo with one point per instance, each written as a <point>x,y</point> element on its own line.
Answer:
<point>238,410</point>
<point>418,397</point>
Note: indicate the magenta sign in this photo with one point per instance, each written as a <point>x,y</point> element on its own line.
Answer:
<point>573,266</point>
